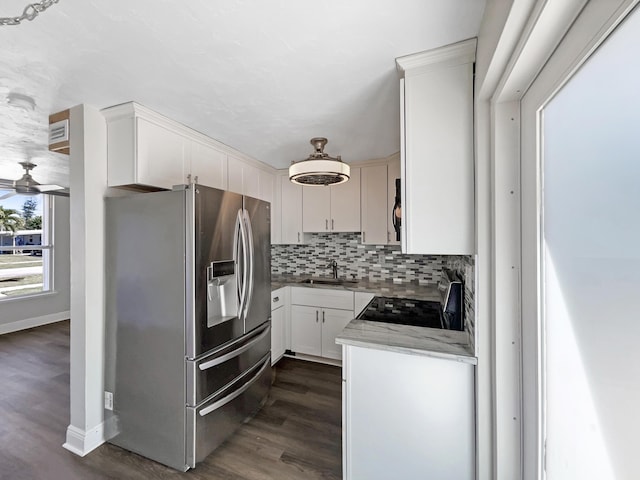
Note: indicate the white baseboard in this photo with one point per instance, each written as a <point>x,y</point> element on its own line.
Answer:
<point>81,442</point>
<point>33,322</point>
<point>313,358</point>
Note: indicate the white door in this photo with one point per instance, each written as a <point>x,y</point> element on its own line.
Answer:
<point>333,322</point>
<point>581,266</point>
<point>316,209</point>
<point>345,204</point>
<point>290,211</point>
<point>306,334</point>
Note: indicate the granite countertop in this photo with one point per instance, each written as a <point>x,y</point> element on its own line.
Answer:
<point>431,342</point>
<point>449,344</point>
<point>382,288</point>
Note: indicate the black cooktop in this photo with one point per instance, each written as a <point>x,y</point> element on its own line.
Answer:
<point>404,311</point>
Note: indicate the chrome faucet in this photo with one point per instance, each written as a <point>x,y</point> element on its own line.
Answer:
<point>334,267</point>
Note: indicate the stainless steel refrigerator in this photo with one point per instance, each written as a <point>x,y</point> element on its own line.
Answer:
<point>187,320</point>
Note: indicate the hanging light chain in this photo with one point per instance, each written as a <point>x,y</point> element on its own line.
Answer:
<point>30,12</point>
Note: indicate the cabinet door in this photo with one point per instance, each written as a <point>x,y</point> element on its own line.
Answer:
<point>345,204</point>
<point>373,194</point>
<point>393,173</point>
<point>316,209</point>
<point>235,174</point>
<point>278,339</point>
<point>306,336</point>
<point>160,155</point>
<point>333,322</point>
<point>251,180</point>
<point>243,178</point>
<point>291,211</point>
<point>439,207</point>
<point>267,186</point>
<point>208,166</point>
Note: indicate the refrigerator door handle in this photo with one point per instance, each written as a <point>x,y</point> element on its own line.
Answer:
<point>241,249</point>
<point>234,353</point>
<point>251,255</point>
<point>266,361</point>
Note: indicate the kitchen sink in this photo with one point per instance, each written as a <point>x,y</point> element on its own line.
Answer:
<point>328,281</point>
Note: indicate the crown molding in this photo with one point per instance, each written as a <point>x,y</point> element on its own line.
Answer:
<point>449,55</point>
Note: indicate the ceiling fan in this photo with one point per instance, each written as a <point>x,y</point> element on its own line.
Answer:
<point>26,185</point>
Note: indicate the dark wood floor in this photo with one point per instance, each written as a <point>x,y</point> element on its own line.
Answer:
<point>297,435</point>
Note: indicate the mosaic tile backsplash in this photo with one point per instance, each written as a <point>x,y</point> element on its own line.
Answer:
<point>374,262</point>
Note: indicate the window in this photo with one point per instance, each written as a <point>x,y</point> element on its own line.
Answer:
<point>26,250</point>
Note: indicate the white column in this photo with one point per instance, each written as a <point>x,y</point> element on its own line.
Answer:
<point>88,183</point>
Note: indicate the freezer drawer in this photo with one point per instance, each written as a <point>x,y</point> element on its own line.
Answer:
<point>214,421</point>
<point>209,374</point>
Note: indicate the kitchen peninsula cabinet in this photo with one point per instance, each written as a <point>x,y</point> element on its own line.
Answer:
<point>387,433</point>
<point>437,152</point>
<point>334,208</point>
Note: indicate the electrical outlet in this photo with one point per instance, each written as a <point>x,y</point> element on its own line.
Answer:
<point>108,400</point>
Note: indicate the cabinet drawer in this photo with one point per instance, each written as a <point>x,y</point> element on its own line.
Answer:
<point>277,298</point>
<point>320,297</point>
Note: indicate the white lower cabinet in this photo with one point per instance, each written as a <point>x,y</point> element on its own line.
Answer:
<point>279,323</point>
<point>314,330</point>
<point>333,322</point>
<point>407,416</point>
<point>317,317</point>
<point>306,330</point>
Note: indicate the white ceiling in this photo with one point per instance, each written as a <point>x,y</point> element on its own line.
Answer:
<point>261,76</point>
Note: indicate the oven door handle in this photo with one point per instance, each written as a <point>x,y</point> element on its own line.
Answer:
<point>236,393</point>
<point>228,356</point>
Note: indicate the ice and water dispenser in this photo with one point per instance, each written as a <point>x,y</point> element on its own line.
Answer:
<point>222,296</point>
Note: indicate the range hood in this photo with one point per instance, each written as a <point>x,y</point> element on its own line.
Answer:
<point>319,169</point>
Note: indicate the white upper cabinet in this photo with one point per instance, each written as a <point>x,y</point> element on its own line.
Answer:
<point>149,151</point>
<point>244,178</point>
<point>290,211</point>
<point>316,209</point>
<point>143,152</point>
<point>373,188</point>
<point>207,166</point>
<point>437,150</point>
<point>334,208</point>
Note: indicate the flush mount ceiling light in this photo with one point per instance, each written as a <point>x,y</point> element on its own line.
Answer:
<point>30,12</point>
<point>319,169</point>
<point>19,100</point>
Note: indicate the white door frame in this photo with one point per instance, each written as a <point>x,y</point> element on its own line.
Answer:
<point>536,71</point>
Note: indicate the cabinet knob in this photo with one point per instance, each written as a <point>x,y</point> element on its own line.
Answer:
<point>298,237</point>
<point>276,299</point>
<point>323,316</point>
<point>363,237</point>
<point>316,316</point>
<point>326,224</point>
<point>332,227</point>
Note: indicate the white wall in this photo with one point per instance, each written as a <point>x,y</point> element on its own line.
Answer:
<point>592,265</point>
<point>20,313</point>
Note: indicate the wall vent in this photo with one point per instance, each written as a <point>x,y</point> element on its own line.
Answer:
<point>59,132</point>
